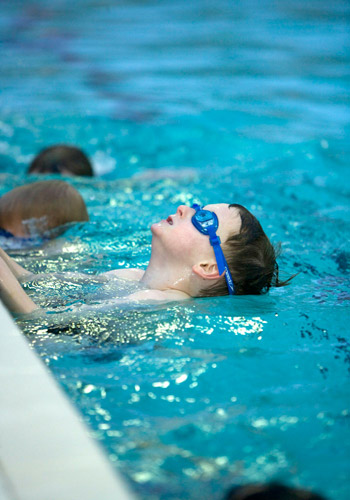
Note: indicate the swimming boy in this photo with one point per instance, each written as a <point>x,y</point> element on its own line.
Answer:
<point>197,252</point>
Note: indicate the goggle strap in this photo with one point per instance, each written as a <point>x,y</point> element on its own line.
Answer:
<point>223,267</point>
<point>213,237</point>
<point>220,259</point>
<point>229,282</point>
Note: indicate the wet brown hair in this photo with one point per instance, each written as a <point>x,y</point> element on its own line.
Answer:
<point>61,159</point>
<point>49,203</point>
<point>251,259</point>
<point>272,491</point>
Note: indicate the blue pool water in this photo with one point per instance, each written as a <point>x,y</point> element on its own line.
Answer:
<point>176,102</point>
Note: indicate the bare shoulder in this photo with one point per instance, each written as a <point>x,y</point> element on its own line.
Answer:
<point>158,296</point>
<point>127,274</point>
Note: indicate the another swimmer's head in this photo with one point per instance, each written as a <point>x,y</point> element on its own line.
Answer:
<point>37,208</point>
<point>63,160</point>
<point>272,491</point>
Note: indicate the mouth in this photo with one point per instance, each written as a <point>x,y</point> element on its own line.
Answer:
<point>170,220</point>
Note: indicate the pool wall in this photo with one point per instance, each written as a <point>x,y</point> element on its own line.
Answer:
<point>46,451</point>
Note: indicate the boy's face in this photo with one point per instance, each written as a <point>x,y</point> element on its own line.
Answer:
<point>179,238</point>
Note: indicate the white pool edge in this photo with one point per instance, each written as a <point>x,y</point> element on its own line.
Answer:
<point>46,452</point>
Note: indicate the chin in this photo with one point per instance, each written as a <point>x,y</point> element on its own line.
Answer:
<point>155,228</point>
<point>158,227</point>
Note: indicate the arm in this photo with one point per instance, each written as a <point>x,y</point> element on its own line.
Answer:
<point>20,273</point>
<point>17,270</point>
<point>11,292</point>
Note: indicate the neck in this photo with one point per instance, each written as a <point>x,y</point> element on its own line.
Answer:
<point>160,275</point>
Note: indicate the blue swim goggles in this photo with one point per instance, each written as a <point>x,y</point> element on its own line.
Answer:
<point>207,223</point>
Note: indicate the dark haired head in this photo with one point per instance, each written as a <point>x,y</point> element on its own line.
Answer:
<point>61,159</point>
<point>273,491</point>
<point>251,259</point>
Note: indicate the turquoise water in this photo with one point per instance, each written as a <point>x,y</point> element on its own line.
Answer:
<point>175,102</point>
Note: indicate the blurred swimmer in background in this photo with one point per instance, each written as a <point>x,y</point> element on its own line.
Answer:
<point>272,491</point>
<point>35,210</point>
<point>63,160</point>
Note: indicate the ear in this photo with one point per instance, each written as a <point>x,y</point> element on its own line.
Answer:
<point>207,270</point>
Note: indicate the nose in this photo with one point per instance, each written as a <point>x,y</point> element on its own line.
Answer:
<point>183,211</point>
